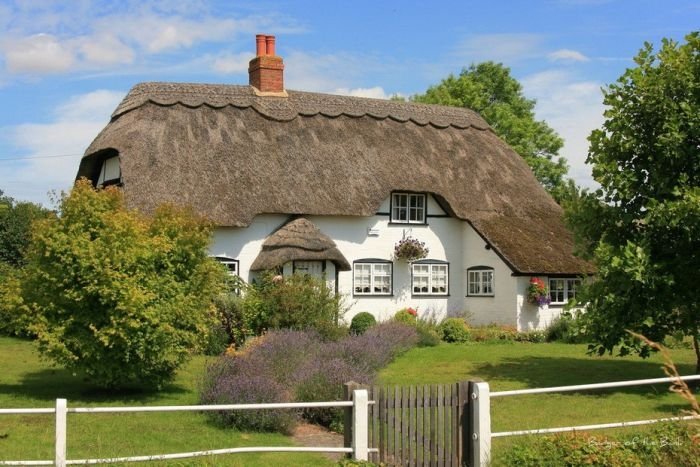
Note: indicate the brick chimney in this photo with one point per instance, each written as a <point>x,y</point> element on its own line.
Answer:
<point>266,70</point>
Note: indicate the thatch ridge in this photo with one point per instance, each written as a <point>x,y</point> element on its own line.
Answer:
<point>234,162</point>
<point>298,240</point>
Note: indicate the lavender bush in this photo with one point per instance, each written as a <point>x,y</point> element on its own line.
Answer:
<point>299,366</point>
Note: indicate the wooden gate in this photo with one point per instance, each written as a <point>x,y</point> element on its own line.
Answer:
<point>422,425</point>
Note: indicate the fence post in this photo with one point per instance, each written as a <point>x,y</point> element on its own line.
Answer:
<point>348,389</point>
<point>360,418</point>
<point>61,428</point>
<point>480,422</point>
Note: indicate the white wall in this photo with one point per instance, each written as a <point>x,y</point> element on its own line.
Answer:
<point>501,308</point>
<point>448,239</point>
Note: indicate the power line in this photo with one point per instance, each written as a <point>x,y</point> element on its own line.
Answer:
<point>38,157</point>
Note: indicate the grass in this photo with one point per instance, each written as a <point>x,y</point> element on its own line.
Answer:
<point>508,366</point>
<point>26,381</point>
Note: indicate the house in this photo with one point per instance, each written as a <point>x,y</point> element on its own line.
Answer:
<point>328,185</point>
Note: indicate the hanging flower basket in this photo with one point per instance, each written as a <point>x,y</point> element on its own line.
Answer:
<point>410,249</point>
<point>537,292</point>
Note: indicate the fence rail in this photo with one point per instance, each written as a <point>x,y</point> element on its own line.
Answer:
<point>359,448</point>
<point>481,408</point>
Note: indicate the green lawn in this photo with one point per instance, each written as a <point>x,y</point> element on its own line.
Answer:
<point>25,381</point>
<point>524,365</point>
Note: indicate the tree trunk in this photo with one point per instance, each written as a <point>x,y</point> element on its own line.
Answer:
<point>696,346</point>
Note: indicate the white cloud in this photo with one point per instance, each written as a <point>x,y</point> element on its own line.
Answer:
<point>232,63</point>
<point>76,122</point>
<point>567,55</point>
<point>105,49</point>
<point>375,92</point>
<point>499,47</point>
<point>40,53</point>
<point>573,108</point>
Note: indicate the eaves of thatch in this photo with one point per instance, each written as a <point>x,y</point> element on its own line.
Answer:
<point>298,240</point>
<point>232,155</point>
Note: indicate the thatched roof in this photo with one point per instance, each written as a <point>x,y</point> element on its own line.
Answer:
<point>233,155</point>
<point>298,240</point>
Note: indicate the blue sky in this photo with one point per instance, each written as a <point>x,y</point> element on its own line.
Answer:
<point>64,66</point>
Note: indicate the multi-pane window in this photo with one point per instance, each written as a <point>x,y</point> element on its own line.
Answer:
<point>110,172</point>
<point>563,290</point>
<point>480,281</point>
<point>230,263</point>
<point>408,208</point>
<point>372,278</point>
<point>430,278</point>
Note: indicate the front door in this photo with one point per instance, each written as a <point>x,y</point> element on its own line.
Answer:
<point>312,268</point>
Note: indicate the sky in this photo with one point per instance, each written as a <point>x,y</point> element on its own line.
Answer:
<point>65,66</point>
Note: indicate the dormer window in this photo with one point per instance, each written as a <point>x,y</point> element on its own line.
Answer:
<point>110,172</point>
<point>408,208</point>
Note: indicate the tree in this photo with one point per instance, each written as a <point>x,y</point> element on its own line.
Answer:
<point>123,297</point>
<point>642,227</point>
<point>15,228</point>
<point>489,89</point>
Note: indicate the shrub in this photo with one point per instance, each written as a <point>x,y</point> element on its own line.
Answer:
<point>567,328</point>
<point>361,322</point>
<point>454,330</point>
<point>428,335</point>
<point>122,297</point>
<point>299,301</point>
<point>406,316</point>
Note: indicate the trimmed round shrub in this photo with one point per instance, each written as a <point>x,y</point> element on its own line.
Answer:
<point>406,316</point>
<point>361,322</point>
<point>454,330</point>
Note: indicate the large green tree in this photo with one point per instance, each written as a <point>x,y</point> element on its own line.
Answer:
<point>642,227</point>
<point>488,88</point>
<point>123,297</point>
<point>15,228</point>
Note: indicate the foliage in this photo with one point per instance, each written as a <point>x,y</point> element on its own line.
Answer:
<point>306,366</point>
<point>299,301</point>
<point>14,317</point>
<point>666,444</point>
<point>454,330</point>
<point>642,227</point>
<point>406,316</point>
<point>489,89</point>
<point>16,220</point>
<point>537,292</point>
<point>410,249</point>
<point>123,297</point>
<point>357,463</point>
<point>568,327</point>
<point>361,322</point>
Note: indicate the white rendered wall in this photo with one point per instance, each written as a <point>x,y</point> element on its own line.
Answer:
<point>501,308</point>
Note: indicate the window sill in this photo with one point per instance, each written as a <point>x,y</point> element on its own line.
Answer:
<point>417,224</point>
<point>372,295</point>
<point>430,295</point>
<point>481,296</point>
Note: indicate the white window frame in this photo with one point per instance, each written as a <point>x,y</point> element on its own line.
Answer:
<point>398,206</point>
<point>431,274</point>
<point>570,284</point>
<point>376,270</point>
<point>483,278</point>
<point>229,262</point>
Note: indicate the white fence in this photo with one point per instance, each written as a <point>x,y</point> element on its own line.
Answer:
<point>480,413</point>
<point>359,450</point>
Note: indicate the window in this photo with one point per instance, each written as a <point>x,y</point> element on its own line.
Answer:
<point>230,263</point>
<point>408,208</point>
<point>430,277</point>
<point>372,277</point>
<point>110,173</point>
<point>480,281</point>
<point>563,290</point>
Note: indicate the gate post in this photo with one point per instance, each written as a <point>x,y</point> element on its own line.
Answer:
<point>61,427</point>
<point>348,389</point>
<point>360,418</point>
<point>480,423</point>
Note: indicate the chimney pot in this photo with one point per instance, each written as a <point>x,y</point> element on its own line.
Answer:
<point>260,47</point>
<point>270,40</point>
